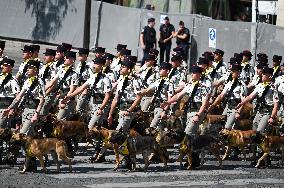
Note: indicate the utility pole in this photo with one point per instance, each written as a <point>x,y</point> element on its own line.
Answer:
<point>86,38</point>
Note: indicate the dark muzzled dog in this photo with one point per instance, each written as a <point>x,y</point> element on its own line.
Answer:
<point>144,145</point>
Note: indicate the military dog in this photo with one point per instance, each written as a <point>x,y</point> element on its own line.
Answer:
<point>269,143</point>
<point>105,134</point>
<point>199,144</point>
<point>236,138</point>
<point>144,145</point>
<point>41,147</point>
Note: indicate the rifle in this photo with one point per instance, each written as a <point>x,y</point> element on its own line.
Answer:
<point>156,94</point>
<point>28,94</point>
<point>260,100</point>
<point>213,73</point>
<point>5,81</point>
<point>120,93</point>
<point>83,67</point>
<point>60,84</point>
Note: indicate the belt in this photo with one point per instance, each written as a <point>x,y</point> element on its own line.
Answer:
<point>5,101</point>
<point>233,102</point>
<point>31,103</point>
<point>98,97</point>
<point>125,104</point>
<point>195,106</point>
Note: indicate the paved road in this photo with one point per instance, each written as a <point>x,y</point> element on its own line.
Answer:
<point>85,174</point>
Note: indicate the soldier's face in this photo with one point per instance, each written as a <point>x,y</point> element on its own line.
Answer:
<point>48,58</point>
<point>99,54</point>
<point>245,58</point>
<point>59,55</point>
<point>149,63</point>
<point>235,74</point>
<point>266,77</point>
<point>203,66</point>
<point>31,71</point>
<point>82,57</point>
<point>164,72</point>
<point>6,68</point>
<point>124,70</point>
<point>217,57</point>
<point>175,64</point>
<point>69,61</point>
<point>275,64</point>
<point>196,76</point>
<point>27,55</point>
<point>98,67</point>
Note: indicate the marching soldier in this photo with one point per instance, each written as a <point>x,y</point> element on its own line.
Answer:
<point>9,88</point>
<point>27,55</point>
<point>59,57</point>
<point>266,95</point>
<point>65,81</point>
<point>126,97</point>
<point>204,64</point>
<point>2,48</point>
<point>117,59</point>
<point>84,72</point>
<point>100,90</point>
<point>99,51</point>
<point>234,91</point>
<point>32,98</point>
<point>113,76</point>
<point>219,67</point>
<point>257,77</point>
<point>198,93</point>
<point>36,51</point>
<point>163,90</point>
<point>276,67</point>
<point>46,73</point>
<point>247,69</point>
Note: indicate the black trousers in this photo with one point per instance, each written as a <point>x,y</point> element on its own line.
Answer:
<point>185,48</point>
<point>165,47</point>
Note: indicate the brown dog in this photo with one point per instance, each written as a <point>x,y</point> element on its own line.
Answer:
<point>212,124</point>
<point>144,145</point>
<point>269,143</point>
<point>236,138</point>
<point>201,143</point>
<point>41,147</point>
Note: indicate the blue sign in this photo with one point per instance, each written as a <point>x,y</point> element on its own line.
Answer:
<point>212,35</point>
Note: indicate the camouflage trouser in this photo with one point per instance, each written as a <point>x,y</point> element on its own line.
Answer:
<point>5,122</point>
<point>98,119</point>
<point>145,103</point>
<point>192,128</point>
<point>49,101</point>
<point>27,125</point>
<point>157,118</point>
<point>82,105</point>
<point>260,120</point>
<point>68,111</point>
<point>230,123</point>
<point>124,122</point>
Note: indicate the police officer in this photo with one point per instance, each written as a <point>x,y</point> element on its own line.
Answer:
<point>27,55</point>
<point>9,88</point>
<point>198,93</point>
<point>163,90</point>
<point>65,81</point>
<point>167,30</point>
<point>32,97</point>
<point>183,36</point>
<point>46,73</point>
<point>233,92</point>
<point>148,38</point>
<point>84,72</point>
<point>266,95</point>
<point>126,96</point>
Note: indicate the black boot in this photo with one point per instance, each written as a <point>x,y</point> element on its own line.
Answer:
<point>235,154</point>
<point>30,163</point>
<point>98,147</point>
<point>70,152</point>
<point>126,163</point>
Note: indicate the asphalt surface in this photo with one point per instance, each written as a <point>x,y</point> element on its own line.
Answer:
<point>85,174</point>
